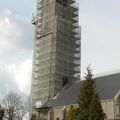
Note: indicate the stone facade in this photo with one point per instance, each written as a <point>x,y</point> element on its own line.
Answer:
<point>111,109</point>
<point>108,108</point>
<point>108,88</point>
<point>56,58</point>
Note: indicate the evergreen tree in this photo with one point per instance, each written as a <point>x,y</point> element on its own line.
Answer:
<point>76,114</point>
<point>70,113</point>
<point>85,97</point>
<point>89,105</point>
<point>95,110</point>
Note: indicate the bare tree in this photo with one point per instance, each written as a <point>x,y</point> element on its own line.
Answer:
<point>14,109</point>
<point>1,112</point>
<point>28,108</point>
<point>21,112</point>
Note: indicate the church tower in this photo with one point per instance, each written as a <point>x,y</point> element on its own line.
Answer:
<point>56,56</point>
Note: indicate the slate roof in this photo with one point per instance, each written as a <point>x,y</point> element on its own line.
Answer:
<point>107,87</point>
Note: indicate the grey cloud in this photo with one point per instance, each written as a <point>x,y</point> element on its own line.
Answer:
<point>24,39</point>
<point>7,82</point>
<point>17,32</point>
<point>16,36</point>
<point>21,7</point>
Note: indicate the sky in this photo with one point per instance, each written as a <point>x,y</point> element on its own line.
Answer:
<point>100,22</point>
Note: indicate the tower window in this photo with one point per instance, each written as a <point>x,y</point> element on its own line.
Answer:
<point>64,81</point>
<point>59,1</point>
<point>63,2</point>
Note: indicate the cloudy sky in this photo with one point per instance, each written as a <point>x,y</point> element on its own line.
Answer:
<point>100,21</point>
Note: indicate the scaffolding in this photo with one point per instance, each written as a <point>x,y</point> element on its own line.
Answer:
<point>56,60</point>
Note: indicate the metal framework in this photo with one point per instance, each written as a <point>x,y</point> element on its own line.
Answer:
<point>56,59</point>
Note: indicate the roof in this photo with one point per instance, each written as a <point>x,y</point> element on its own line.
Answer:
<point>107,87</point>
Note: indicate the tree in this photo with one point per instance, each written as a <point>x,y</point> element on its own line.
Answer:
<point>95,110</point>
<point>1,112</point>
<point>14,109</point>
<point>70,114</point>
<point>28,108</point>
<point>86,93</point>
<point>86,98</point>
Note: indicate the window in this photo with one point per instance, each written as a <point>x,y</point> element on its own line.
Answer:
<point>63,2</point>
<point>64,81</point>
<point>59,1</point>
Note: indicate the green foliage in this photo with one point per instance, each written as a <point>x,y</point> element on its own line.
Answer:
<point>86,97</point>
<point>76,114</point>
<point>95,110</point>
<point>70,113</point>
<point>86,93</point>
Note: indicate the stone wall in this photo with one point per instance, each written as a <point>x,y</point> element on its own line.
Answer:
<point>108,109</point>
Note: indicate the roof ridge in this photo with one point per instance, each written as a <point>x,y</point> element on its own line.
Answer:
<point>105,74</point>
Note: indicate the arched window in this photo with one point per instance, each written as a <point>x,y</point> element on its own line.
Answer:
<point>57,119</point>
